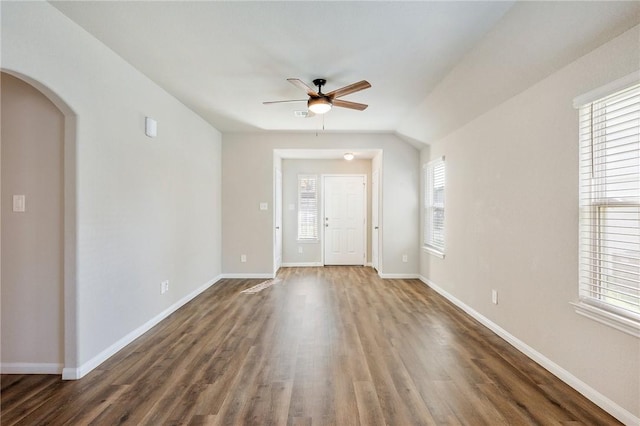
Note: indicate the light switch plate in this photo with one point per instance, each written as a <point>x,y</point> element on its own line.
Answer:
<point>19,203</point>
<point>264,206</point>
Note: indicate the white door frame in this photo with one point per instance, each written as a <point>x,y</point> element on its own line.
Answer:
<point>277,227</point>
<point>365,205</point>
<point>375,214</point>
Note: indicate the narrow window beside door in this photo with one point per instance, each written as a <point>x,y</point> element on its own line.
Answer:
<point>307,207</point>
<point>434,184</point>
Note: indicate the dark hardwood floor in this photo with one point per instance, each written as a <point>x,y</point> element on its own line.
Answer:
<point>333,345</point>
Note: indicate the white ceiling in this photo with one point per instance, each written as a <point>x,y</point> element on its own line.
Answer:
<point>223,59</point>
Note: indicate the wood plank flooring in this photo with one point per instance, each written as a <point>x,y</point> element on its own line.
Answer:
<point>323,346</point>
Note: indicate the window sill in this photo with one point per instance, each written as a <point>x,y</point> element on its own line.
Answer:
<point>433,251</point>
<point>626,325</point>
<point>316,241</point>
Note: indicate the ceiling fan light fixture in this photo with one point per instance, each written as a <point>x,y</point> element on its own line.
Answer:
<point>349,156</point>
<point>319,105</point>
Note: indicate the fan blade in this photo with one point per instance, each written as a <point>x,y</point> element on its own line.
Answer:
<point>352,88</point>
<point>350,105</point>
<point>282,102</point>
<point>304,86</point>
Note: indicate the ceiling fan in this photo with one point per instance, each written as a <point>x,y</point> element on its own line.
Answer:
<point>320,103</point>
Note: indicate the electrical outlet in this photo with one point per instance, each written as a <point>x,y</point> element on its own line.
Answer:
<point>300,249</point>
<point>19,203</point>
<point>243,258</point>
<point>164,287</point>
<point>405,258</point>
<point>494,297</point>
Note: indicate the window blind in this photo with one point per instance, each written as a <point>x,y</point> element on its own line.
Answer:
<point>609,130</point>
<point>434,184</point>
<point>307,207</point>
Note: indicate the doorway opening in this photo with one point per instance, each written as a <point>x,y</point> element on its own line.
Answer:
<point>39,234</point>
<point>307,249</point>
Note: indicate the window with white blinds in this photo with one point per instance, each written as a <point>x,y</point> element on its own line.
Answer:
<point>434,185</point>
<point>307,207</point>
<point>609,131</point>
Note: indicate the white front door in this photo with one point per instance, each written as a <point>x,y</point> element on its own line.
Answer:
<point>375,188</point>
<point>344,220</point>
<point>277,212</point>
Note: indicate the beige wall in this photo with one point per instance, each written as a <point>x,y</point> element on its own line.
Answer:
<point>247,180</point>
<point>146,210</point>
<point>311,251</point>
<point>512,224</point>
<point>32,242</point>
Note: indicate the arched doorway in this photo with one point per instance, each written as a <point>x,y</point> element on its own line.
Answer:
<point>37,230</point>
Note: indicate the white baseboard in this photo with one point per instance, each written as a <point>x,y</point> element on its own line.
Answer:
<point>593,395</point>
<point>248,275</point>
<point>69,373</point>
<point>302,265</point>
<point>77,373</point>
<point>398,276</point>
<point>30,368</point>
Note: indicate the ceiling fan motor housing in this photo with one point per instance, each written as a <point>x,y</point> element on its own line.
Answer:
<point>322,103</point>
<point>319,82</point>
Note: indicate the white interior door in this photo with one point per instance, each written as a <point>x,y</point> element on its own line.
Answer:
<point>375,227</point>
<point>277,212</point>
<point>344,220</point>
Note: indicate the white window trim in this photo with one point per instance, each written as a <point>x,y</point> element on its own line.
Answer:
<point>433,251</point>
<point>428,248</point>
<point>308,241</point>
<point>628,323</point>
<point>315,239</point>
<point>606,90</point>
<point>607,317</point>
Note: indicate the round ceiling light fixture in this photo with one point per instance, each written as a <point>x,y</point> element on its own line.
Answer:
<point>349,156</point>
<point>319,105</point>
